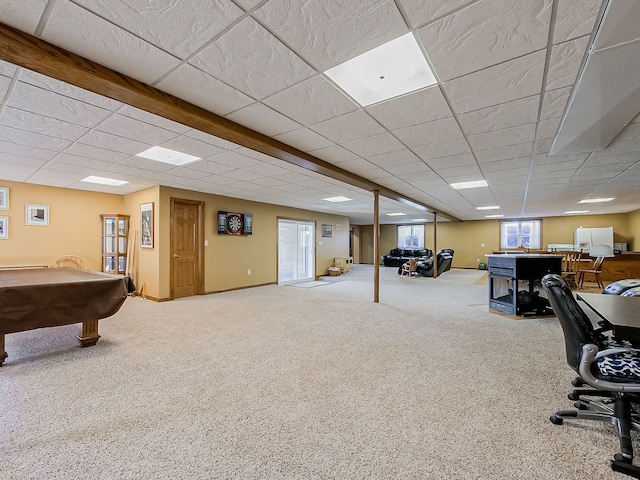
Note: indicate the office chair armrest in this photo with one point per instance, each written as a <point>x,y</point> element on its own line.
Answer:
<point>616,350</point>
<point>589,353</point>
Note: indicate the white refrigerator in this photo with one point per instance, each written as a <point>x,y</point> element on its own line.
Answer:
<point>600,240</point>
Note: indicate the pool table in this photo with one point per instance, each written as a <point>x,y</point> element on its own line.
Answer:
<point>33,298</point>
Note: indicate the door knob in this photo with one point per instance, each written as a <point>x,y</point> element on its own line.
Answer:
<point>175,255</point>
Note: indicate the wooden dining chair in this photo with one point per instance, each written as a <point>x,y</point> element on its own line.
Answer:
<point>571,266</point>
<point>69,261</point>
<point>595,269</point>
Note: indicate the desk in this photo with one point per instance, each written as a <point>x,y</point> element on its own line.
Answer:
<point>33,298</point>
<point>622,313</point>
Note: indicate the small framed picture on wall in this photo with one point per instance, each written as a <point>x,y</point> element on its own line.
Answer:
<point>4,198</point>
<point>327,230</point>
<point>37,215</point>
<point>146,225</point>
<point>4,228</point>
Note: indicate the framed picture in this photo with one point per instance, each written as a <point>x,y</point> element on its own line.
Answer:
<point>327,230</point>
<point>4,228</point>
<point>4,198</point>
<point>146,225</point>
<point>37,215</point>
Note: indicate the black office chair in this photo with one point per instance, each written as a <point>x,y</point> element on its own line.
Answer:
<point>611,370</point>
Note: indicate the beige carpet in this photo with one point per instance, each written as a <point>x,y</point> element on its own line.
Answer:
<point>300,383</point>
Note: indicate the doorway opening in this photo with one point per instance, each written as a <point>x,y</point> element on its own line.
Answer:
<point>186,240</point>
<point>296,252</point>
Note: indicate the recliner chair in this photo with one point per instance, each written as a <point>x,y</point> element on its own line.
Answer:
<point>612,371</point>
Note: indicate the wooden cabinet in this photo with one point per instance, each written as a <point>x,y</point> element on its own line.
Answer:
<point>115,238</point>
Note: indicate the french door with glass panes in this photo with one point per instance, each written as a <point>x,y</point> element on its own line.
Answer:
<point>296,253</point>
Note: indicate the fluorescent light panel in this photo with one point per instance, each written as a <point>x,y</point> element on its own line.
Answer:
<point>493,216</point>
<point>390,70</point>
<point>419,220</point>
<point>596,200</point>
<point>398,214</point>
<point>576,211</point>
<point>473,184</point>
<point>165,155</point>
<point>491,207</point>
<point>337,199</point>
<point>104,181</point>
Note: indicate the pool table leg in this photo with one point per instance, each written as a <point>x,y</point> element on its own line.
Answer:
<point>3,354</point>
<point>89,334</point>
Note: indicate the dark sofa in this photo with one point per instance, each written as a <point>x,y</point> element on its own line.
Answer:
<point>398,256</point>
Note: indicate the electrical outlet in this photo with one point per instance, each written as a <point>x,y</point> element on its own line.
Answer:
<point>249,272</point>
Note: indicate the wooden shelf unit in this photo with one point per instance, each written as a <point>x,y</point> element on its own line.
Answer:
<point>115,238</point>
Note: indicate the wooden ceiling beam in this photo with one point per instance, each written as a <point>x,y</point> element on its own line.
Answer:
<point>29,52</point>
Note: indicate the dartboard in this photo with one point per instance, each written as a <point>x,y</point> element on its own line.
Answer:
<point>234,223</point>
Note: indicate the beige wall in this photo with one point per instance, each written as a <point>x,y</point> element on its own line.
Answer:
<point>74,227</point>
<point>472,240</point>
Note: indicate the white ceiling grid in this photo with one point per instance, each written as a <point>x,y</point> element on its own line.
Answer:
<point>505,71</point>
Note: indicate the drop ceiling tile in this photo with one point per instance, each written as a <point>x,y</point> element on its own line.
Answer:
<point>114,143</point>
<point>18,160</point>
<point>311,101</point>
<point>44,178</point>
<point>5,82</point>
<point>575,18</point>
<point>152,119</point>
<point>334,154</point>
<point>423,106</point>
<point>548,128</point>
<point>95,152</point>
<point>49,104</point>
<point>210,167</point>
<point>504,153</point>
<point>452,161</point>
<point>7,69</point>
<point>630,132</point>
<point>132,129</point>
<point>91,163</point>
<point>501,83</point>
<point>193,147</point>
<point>554,102</point>
<point>14,173</point>
<point>427,133</point>
<point>195,86</point>
<point>177,27</point>
<point>151,166</point>
<point>408,168</point>
<point>502,138</point>
<point>460,174</point>
<point>506,166</point>
<point>212,140</point>
<point>66,170</point>
<point>395,157</point>
<point>420,12</point>
<point>67,90</point>
<point>565,62</point>
<point>503,115</point>
<point>330,32</point>
<point>79,31</point>
<point>486,34</point>
<point>22,14</point>
<point>378,144</point>
<point>23,120</point>
<point>443,149</point>
<point>263,119</point>
<point>267,170</point>
<point>304,139</point>
<point>237,58</point>
<point>235,160</point>
<point>543,145</point>
<point>349,127</point>
<point>24,138</point>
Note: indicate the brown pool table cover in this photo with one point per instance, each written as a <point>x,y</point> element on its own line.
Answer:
<point>46,297</point>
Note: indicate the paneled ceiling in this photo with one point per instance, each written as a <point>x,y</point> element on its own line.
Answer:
<point>505,70</point>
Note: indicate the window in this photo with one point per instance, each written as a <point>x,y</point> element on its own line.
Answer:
<point>525,233</point>
<point>411,236</point>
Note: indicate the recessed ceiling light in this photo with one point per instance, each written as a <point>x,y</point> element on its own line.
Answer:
<point>493,216</point>
<point>104,181</point>
<point>337,199</point>
<point>392,69</point>
<point>473,184</point>
<point>398,214</point>
<point>419,220</point>
<point>165,155</point>
<point>491,207</point>
<point>596,200</point>
<point>576,211</point>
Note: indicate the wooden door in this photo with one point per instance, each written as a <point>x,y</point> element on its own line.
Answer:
<point>187,238</point>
